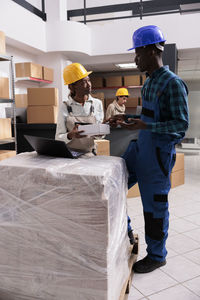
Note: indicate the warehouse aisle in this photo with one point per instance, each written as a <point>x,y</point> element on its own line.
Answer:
<point>180,278</point>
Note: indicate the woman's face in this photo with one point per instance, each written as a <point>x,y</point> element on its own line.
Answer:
<point>122,100</point>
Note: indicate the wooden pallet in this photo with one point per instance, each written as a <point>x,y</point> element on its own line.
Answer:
<point>132,259</point>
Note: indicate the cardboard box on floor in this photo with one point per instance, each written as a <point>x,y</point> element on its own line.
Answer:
<point>28,69</point>
<point>6,154</point>
<point>177,176</point>
<point>2,43</point>
<point>102,147</point>
<point>4,88</point>
<point>5,128</point>
<point>42,114</point>
<point>42,96</point>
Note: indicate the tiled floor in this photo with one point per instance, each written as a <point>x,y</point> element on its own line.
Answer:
<point>179,279</point>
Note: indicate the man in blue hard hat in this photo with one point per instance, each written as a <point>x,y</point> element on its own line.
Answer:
<point>164,120</point>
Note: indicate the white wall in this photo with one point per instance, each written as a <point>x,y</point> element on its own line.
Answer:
<point>21,25</point>
<point>194,109</point>
<point>116,37</point>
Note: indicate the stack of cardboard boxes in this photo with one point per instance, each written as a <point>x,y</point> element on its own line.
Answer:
<point>30,69</point>
<point>42,105</point>
<point>5,123</point>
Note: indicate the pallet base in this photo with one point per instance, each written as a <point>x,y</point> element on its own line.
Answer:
<point>132,259</point>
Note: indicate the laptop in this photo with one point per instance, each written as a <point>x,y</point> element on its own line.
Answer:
<point>51,147</point>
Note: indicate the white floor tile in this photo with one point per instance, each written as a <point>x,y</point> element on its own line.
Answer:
<point>181,269</point>
<point>193,219</point>
<point>193,234</point>
<point>193,256</point>
<point>153,282</point>
<point>180,243</point>
<point>135,294</point>
<point>180,225</point>
<point>193,285</point>
<point>175,293</point>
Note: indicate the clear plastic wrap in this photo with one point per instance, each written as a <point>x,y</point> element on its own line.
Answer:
<point>63,228</point>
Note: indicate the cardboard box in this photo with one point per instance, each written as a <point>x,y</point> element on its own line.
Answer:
<point>179,164</point>
<point>28,69</point>
<point>177,178</point>
<point>132,102</point>
<point>47,73</point>
<point>134,191</point>
<point>21,100</point>
<point>5,128</point>
<point>97,82</point>
<point>132,80</point>
<point>113,81</point>
<point>42,96</point>
<point>6,154</point>
<point>42,114</point>
<point>102,147</point>
<point>2,43</point>
<point>4,88</point>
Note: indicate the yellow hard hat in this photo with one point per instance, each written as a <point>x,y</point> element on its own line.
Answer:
<point>122,92</point>
<point>74,72</point>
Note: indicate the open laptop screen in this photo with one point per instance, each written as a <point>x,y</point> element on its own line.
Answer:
<point>51,147</point>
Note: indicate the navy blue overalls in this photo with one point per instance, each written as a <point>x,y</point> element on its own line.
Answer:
<point>149,161</point>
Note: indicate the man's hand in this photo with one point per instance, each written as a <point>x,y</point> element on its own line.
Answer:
<point>75,133</point>
<point>133,124</point>
<point>113,121</point>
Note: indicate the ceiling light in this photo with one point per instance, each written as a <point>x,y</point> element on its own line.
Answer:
<point>126,66</point>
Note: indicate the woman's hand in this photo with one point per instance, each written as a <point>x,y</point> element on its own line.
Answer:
<point>75,133</point>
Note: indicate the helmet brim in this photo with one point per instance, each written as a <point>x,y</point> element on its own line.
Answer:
<point>85,75</point>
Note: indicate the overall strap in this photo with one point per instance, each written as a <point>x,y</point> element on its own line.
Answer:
<point>69,108</point>
<point>91,109</point>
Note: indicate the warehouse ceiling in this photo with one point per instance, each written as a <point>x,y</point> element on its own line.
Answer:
<point>188,62</point>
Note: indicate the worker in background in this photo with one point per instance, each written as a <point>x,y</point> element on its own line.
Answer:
<point>79,108</point>
<point>150,159</point>
<point>118,105</point>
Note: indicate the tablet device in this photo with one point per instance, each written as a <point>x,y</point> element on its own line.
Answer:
<point>51,147</point>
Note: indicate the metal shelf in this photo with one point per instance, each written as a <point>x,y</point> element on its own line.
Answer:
<point>5,58</point>
<point>117,87</point>
<point>32,79</point>
<point>7,141</point>
<point>6,101</point>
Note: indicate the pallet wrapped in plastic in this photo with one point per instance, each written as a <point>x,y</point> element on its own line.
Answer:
<point>63,228</point>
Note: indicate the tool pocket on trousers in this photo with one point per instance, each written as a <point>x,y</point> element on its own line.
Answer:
<point>163,159</point>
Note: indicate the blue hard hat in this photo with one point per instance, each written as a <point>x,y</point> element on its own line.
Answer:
<point>147,35</point>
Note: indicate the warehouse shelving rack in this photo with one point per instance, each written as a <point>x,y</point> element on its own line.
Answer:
<point>10,143</point>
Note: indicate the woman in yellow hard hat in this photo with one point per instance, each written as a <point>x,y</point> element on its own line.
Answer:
<point>80,107</point>
<point>118,105</point>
